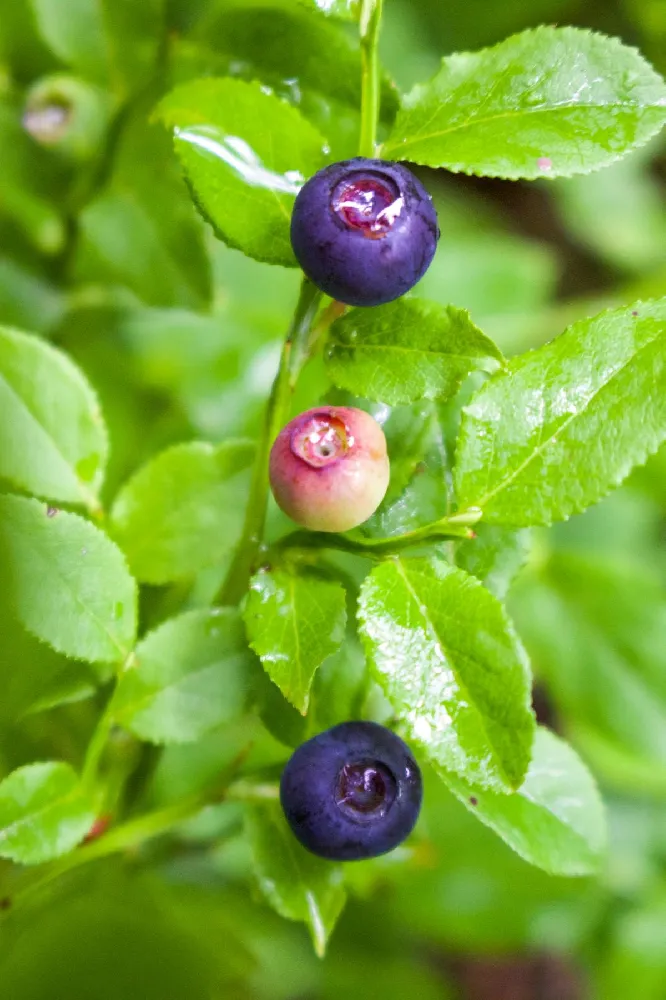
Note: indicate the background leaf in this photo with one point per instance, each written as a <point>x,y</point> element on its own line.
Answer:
<point>556,818</point>
<point>566,423</point>
<point>35,678</point>
<point>420,490</point>
<point>67,581</point>
<point>297,884</point>
<point>407,350</point>
<point>446,657</point>
<point>44,812</point>
<point>188,676</point>
<point>549,102</point>
<point>52,436</point>
<point>346,9</point>
<point>104,39</point>
<point>307,60</point>
<point>246,154</point>
<point>495,556</point>
<point>115,926</point>
<point>126,236</point>
<point>293,623</point>
<point>594,629</point>
<point>184,510</point>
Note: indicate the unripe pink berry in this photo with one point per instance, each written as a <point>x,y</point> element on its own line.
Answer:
<point>329,469</point>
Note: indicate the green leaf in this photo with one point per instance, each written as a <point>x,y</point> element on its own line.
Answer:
<point>495,556</point>
<point>27,300</point>
<point>406,351</point>
<point>550,102</point>
<point>445,655</point>
<point>305,58</point>
<point>44,813</point>
<point>125,241</point>
<point>293,623</point>
<point>109,926</point>
<point>298,885</point>
<point>595,631</point>
<point>480,896</point>
<point>311,62</point>
<point>103,39</point>
<point>52,436</point>
<point>188,676</point>
<point>494,274</point>
<point>565,424</point>
<point>67,581</point>
<point>421,489</point>
<point>34,678</point>
<point>619,214</point>
<point>633,960</point>
<point>128,238</point>
<point>555,820</point>
<point>245,154</point>
<point>347,10</point>
<point>183,510</point>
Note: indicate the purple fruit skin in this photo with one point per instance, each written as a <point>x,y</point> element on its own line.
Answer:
<point>341,260</point>
<point>307,792</point>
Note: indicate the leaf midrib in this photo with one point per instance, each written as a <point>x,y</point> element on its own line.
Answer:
<point>87,611</point>
<point>538,451</point>
<point>19,823</point>
<point>463,687</point>
<point>429,352</point>
<point>87,496</point>
<point>482,121</point>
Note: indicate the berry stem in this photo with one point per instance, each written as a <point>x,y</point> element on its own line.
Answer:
<point>293,357</point>
<point>378,548</point>
<point>97,746</point>
<point>371,17</point>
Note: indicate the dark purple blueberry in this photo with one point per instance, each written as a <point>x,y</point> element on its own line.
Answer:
<point>352,792</point>
<point>364,231</point>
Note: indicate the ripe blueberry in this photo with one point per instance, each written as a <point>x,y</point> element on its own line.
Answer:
<point>329,469</point>
<point>352,792</point>
<point>364,231</point>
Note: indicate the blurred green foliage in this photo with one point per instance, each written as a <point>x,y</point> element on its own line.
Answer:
<point>103,254</point>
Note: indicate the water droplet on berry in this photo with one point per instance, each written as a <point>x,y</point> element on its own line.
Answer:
<point>368,202</point>
<point>365,788</point>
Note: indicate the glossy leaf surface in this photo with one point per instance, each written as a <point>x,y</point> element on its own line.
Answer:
<point>43,813</point>
<point>550,102</point>
<point>293,623</point>
<point>407,350</point>
<point>184,510</point>
<point>555,820</point>
<point>445,655</point>
<point>52,435</point>
<point>68,583</point>
<point>188,676</point>
<point>566,423</point>
<point>246,155</point>
<point>297,884</point>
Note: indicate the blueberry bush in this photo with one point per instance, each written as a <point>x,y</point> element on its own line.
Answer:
<point>170,639</point>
